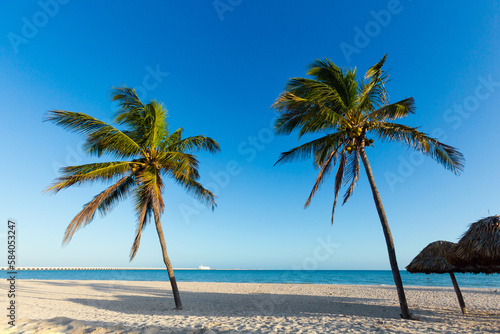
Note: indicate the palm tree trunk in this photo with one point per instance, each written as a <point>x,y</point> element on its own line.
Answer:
<point>405,312</point>
<point>166,260</point>
<point>459,293</point>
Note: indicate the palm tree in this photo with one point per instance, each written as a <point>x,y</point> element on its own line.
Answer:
<point>145,152</point>
<point>345,111</point>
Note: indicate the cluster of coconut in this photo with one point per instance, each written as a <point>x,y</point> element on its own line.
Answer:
<point>355,136</point>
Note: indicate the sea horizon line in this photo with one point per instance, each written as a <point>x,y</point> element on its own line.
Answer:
<point>28,268</point>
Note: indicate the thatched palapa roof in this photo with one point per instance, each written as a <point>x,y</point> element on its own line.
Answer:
<point>432,259</point>
<point>479,248</point>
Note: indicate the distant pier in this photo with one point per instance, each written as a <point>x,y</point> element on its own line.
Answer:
<point>87,268</point>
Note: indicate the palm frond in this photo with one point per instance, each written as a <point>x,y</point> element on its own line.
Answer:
<point>157,194</point>
<point>352,174</point>
<point>131,109</point>
<point>339,177</point>
<point>144,209</point>
<point>148,200</point>
<point>154,124</point>
<point>351,91</point>
<point>311,105</point>
<point>304,151</point>
<point>316,91</point>
<point>146,122</point>
<point>195,188</point>
<point>325,71</point>
<point>172,138</point>
<point>101,138</point>
<point>325,171</point>
<point>117,195</point>
<point>177,164</point>
<point>372,95</point>
<point>376,70</point>
<point>195,143</point>
<point>85,216</point>
<point>446,155</point>
<point>307,116</point>
<point>394,111</point>
<point>78,175</point>
<point>322,154</point>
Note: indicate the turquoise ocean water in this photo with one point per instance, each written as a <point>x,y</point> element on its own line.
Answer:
<point>364,277</point>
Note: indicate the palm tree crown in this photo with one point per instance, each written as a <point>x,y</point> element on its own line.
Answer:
<point>335,105</point>
<point>147,152</point>
<point>346,112</point>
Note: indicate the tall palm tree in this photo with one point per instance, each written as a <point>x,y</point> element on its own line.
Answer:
<point>146,152</point>
<point>345,111</point>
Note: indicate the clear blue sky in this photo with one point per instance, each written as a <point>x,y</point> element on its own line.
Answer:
<point>218,66</point>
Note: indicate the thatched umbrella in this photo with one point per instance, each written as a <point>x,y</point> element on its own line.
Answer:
<point>432,260</point>
<point>479,249</point>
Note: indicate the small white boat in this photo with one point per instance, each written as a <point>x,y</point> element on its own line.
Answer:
<point>203,268</point>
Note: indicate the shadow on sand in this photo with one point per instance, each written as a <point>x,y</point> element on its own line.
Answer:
<point>155,301</point>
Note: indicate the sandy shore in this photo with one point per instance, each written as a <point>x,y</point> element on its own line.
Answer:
<point>147,307</point>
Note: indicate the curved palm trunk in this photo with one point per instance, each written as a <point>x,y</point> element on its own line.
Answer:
<point>459,293</point>
<point>405,312</point>
<point>166,260</point>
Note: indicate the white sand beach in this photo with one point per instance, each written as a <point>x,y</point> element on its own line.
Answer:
<point>147,307</point>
